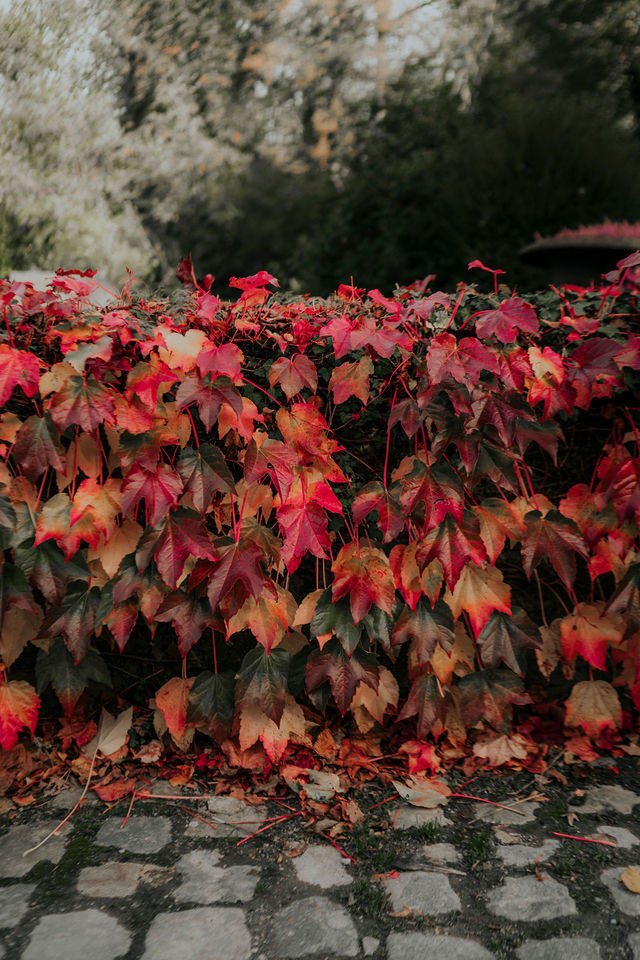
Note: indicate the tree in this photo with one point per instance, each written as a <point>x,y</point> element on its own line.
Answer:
<point>64,192</point>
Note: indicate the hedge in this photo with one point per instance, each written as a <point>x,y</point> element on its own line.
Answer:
<point>416,515</point>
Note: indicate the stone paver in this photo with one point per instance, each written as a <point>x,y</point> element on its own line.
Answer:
<point>14,903</point>
<point>609,797</point>
<point>80,935</point>
<point>322,866</point>
<point>502,817</point>
<point>623,837</point>
<point>559,948</point>
<point>66,799</point>
<point>204,933</point>
<point>441,852</point>
<point>119,879</point>
<point>313,925</point>
<point>425,946</point>
<point>634,943</point>
<point>370,945</point>
<point>422,891</point>
<point>405,817</point>
<point>627,901</point>
<point>206,882</point>
<point>231,818</point>
<point>529,899</point>
<point>139,834</point>
<point>521,855</point>
<point>20,838</point>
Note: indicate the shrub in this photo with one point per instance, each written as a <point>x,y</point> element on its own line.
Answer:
<point>380,505</point>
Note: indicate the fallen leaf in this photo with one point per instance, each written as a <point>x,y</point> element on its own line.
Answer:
<point>631,879</point>
<point>113,733</point>
<point>423,793</point>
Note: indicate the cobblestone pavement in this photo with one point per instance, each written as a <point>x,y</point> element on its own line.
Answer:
<point>470,882</point>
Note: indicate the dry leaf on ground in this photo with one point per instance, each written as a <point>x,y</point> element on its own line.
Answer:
<point>631,879</point>
<point>423,793</point>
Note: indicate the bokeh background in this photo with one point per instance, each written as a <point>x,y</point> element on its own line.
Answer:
<point>318,139</point>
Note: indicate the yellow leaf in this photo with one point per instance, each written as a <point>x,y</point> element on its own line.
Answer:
<point>631,879</point>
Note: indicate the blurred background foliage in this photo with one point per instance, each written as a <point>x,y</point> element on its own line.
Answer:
<point>319,139</point>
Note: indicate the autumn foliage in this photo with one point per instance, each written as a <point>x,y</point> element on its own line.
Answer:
<point>417,513</point>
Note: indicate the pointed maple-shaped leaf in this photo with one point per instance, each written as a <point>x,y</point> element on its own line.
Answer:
<point>38,446</point>
<point>143,381</point>
<point>188,615</point>
<point>235,562</point>
<point>363,573</point>
<point>97,502</point>
<point>479,591</point>
<point>160,488</point>
<point>351,380</point>
<point>454,546</point>
<point>305,526</point>
<point>553,538</point>
<point>546,435</point>
<point>69,679</point>
<point>489,696</point>
<point>465,360</point>
<point>184,535</point>
<point>503,638</point>
<point>18,368</point>
<point>497,522</point>
<point>344,673</point>
<point>47,569</point>
<point>501,413</point>
<point>256,725</point>
<point>19,707</point>
<point>76,620</point>
<point>374,497</point>
<point>306,431</point>
<point>588,633</point>
<point>212,702</point>
<point>122,542</point>
<point>426,700</point>
<point>204,472</point>
<point>272,457</point>
<point>425,628</point>
<point>514,366</point>
<point>87,404</point>
<point>334,618</point>
<point>54,523</point>
<point>121,621</point>
<point>210,399</point>
<point>225,360</point>
<point>594,706</point>
<point>182,349</point>
<point>262,679</point>
<point>172,700</point>
<point>293,374</point>
<point>512,316</point>
<point>369,707</point>
<point>267,617</point>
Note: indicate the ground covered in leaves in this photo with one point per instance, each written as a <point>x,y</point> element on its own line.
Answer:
<point>270,877</point>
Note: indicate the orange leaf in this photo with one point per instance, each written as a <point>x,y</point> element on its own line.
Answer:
<point>172,699</point>
<point>366,576</point>
<point>594,706</point>
<point>479,591</point>
<point>19,705</point>
<point>587,633</point>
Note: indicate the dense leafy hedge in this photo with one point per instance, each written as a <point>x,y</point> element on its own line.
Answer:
<point>378,504</point>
